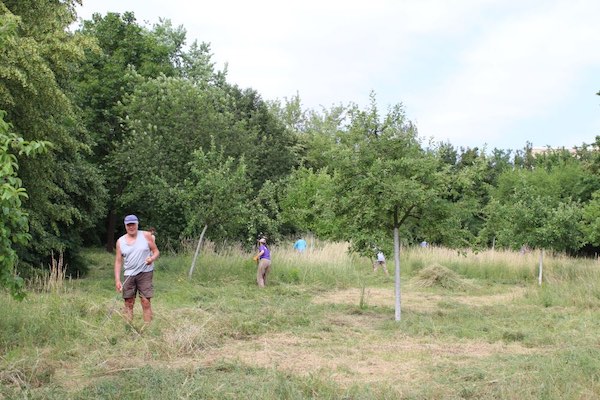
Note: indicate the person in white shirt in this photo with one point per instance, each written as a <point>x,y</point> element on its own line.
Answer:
<point>135,252</point>
<point>380,263</point>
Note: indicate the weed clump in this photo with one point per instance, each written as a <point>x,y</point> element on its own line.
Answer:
<point>437,275</point>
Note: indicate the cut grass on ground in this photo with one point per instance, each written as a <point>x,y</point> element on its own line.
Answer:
<point>325,336</point>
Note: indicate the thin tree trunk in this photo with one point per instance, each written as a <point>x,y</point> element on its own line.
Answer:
<point>398,314</point>
<point>197,251</point>
<point>541,267</point>
<point>110,230</point>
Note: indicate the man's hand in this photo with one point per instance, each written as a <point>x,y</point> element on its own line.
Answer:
<point>119,286</point>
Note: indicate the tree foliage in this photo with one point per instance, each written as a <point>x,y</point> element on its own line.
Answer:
<point>533,208</point>
<point>13,224</point>
<point>590,223</point>
<point>219,196</point>
<point>306,203</point>
<point>38,60</point>
<point>124,56</point>
<point>384,179</point>
<point>141,123</point>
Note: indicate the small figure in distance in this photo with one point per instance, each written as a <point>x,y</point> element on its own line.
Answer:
<point>264,263</point>
<point>380,262</point>
<point>300,245</point>
<point>424,244</point>
<point>525,249</point>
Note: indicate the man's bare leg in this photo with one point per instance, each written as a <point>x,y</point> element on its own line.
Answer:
<point>129,303</point>
<point>147,310</point>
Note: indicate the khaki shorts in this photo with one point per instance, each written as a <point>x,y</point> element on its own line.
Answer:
<point>141,283</point>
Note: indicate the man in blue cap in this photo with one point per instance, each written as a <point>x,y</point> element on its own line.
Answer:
<point>137,251</point>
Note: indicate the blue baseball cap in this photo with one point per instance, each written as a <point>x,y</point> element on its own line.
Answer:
<point>131,219</point>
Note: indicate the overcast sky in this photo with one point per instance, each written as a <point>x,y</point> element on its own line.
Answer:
<point>494,73</point>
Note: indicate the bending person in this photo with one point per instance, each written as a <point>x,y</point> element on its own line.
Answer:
<point>264,263</point>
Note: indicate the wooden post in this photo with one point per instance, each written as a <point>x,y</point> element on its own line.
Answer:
<point>398,314</point>
<point>541,267</point>
<point>397,274</point>
<point>197,251</point>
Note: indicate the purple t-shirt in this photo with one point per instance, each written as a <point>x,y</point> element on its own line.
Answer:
<point>266,254</point>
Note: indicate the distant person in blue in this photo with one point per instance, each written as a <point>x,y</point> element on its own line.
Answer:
<point>264,262</point>
<point>424,244</point>
<point>300,245</point>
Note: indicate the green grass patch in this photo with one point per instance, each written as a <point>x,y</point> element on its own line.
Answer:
<point>323,328</point>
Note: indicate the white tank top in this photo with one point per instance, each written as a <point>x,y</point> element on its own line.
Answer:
<point>135,255</point>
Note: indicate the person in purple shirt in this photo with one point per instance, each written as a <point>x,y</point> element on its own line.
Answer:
<point>264,262</point>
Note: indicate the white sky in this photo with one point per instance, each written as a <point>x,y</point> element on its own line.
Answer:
<point>495,73</point>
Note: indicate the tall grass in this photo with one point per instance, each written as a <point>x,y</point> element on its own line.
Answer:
<point>328,264</point>
<point>63,342</point>
<point>52,280</point>
<point>325,264</point>
<point>500,266</point>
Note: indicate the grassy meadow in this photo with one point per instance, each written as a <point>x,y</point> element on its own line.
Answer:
<point>474,326</point>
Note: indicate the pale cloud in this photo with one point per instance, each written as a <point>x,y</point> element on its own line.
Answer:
<point>469,71</point>
<point>520,69</point>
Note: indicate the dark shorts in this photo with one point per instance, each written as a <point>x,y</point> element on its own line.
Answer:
<point>141,283</point>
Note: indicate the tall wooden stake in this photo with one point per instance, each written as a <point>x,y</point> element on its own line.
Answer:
<point>541,267</point>
<point>197,251</point>
<point>397,264</point>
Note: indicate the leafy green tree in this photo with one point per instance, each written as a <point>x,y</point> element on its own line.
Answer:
<point>122,45</point>
<point>590,223</point>
<point>197,66</point>
<point>272,154</point>
<point>384,179</point>
<point>527,209</point>
<point>319,140</point>
<point>13,224</point>
<point>524,158</point>
<point>38,59</point>
<point>563,177</point>
<point>290,113</point>
<point>385,182</point>
<point>167,120</point>
<point>498,162</point>
<point>266,214</point>
<point>219,196</point>
<point>588,156</point>
<point>576,172</point>
<point>125,54</point>
<point>456,220</point>
<point>306,203</point>
<point>590,160</point>
<point>447,154</point>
